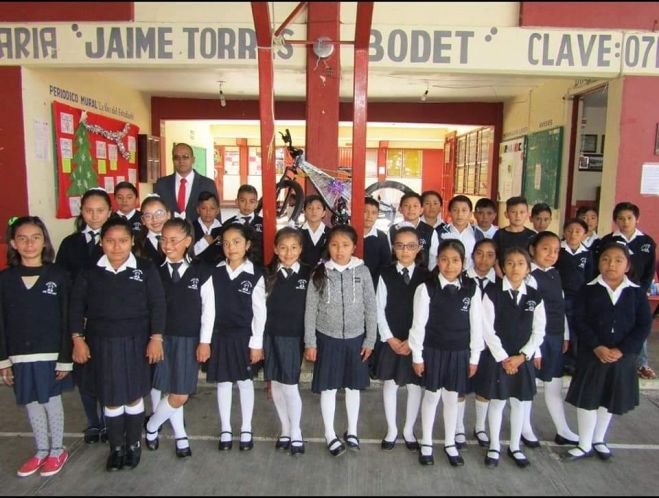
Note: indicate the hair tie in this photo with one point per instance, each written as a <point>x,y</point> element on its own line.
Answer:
<point>12,220</point>
<point>152,194</point>
<point>99,188</point>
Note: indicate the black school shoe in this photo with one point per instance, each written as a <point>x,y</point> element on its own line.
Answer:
<point>522,462</point>
<point>116,459</point>
<point>182,452</point>
<point>297,448</point>
<point>426,459</point>
<point>351,440</point>
<point>92,435</point>
<point>491,462</point>
<point>133,455</point>
<point>455,461</point>
<point>246,445</point>
<point>530,444</point>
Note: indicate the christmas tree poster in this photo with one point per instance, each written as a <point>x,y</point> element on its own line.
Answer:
<point>92,151</point>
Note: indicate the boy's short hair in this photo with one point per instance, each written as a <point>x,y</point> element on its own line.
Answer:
<point>410,195</point>
<point>314,197</point>
<point>626,206</point>
<point>581,211</point>
<point>514,201</point>
<point>460,198</point>
<point>369,201</point>
<point>126,185</point>
<point>207,196</point>
<point>484,203</point>
<point>428,193</point>
<point>540,207</point>
<point>247,189</point>
<point>576,221</point>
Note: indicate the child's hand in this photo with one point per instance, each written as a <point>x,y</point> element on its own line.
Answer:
<point>365,353</point>
<point>615,353</point>
<point>81,351</point>
<point>566,346</point>
<point>537,362</point>
<point>210,239</point>
<point>255,355</point>
<point>60,374</point>
<point>7,375</point>
<point>404,349</point>
<point>310,354</point>
<point>395,344</point>
<point>605,354</point>
<point>203,352</point>
<point>418,369</point>
<point>154,350</point>
<point>472,370</point>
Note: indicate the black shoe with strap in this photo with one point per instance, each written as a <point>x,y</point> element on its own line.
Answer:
<point>152,444</point>
<point>490,461</point>
<point>560,440</point>
<point>246,445</point>
<point>482,438</point>
<point>351,440</point>
<point>297,447</point>
<point>116,459</point>
<point>133,455</point>
<point>411,445</point>
<point>604,454</point>
<point>454,460</point>
<point>183,452</point>
<point>283,443</point>
<point>521,461</point>
<point>225,445</point>
<point>530,444</point>
<point>463,440</point>
<point>426,459</point>
<point>571,457</point>
<point>334,448</point>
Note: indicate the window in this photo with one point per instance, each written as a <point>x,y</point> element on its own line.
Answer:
<point>472,168</point>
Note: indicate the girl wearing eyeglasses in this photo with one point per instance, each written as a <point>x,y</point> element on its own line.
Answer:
<point>154,216</point>
<point>394,297</point>
<point>187,336</point>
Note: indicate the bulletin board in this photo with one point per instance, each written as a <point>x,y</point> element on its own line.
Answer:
<point>511,167</point>
<point>542,166</point>
<point>91,151</point>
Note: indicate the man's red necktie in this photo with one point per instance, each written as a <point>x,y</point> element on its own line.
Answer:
<point>181,195</point>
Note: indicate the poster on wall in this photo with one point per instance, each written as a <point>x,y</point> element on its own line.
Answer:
<point>92,151</point>
<point>511,167</point>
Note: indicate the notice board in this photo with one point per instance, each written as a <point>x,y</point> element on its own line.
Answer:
<point>542,166</point>
<point>511,167</point>
<point>91,151</point>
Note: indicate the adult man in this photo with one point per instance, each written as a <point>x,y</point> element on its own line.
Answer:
<point>181,190</point>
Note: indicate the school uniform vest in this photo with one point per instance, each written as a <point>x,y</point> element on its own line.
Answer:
<point>233,301</point>
<point>74,255</point>
<point>183,300</point>
<point>575,270</point>
<point>146,250</point>
<point>448,327</point>
<point>214,253</point>
<point>128,303</point>
<point>311,253</point>
<point>285,304</point>
<point>549,285</point>
<point>400,299</point>
<point>377,254</point>
<point>35,318</point>
<point>134,221</point>
<point>513,324</point>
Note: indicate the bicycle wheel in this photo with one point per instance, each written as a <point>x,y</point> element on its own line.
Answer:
<point>388,193</point>
<point>289,199</point>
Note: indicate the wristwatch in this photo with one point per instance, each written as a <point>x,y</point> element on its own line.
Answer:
<point>526,358</point>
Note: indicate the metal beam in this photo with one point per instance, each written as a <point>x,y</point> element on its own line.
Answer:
<point>294,13</point>
<point>267,114</point>
<point>359,118</point>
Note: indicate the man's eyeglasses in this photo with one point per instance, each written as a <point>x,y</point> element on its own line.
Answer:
<point>184,156</point>
<point>171,242</point>
<point>412,246</point>
<point>156,215</point>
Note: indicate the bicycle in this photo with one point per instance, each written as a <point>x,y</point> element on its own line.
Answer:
<point>335,191</point>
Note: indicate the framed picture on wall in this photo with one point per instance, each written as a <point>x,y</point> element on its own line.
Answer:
<point>591,162</point>
<point>589,144</point>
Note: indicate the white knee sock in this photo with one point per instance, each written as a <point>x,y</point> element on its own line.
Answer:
<point>353,398</point>
<point>155,396</point>
<point>280,405</point>
<point>460,421</point>
<point>224,398</point>
<point>517,418</point>
<point>246,388</point>
<point>414,395</point>
<point>178,426</point>
<point>556,408</point>
<point>327,409</point>
<point>526,427</point>
<point>603,421</point>
<point>389,392</point>
<point>294,408</point>
<point>159,417</point>
<point>428,412</point>
<point>451,414</point>
<point>481,414</point>
<point>586,422</point>
<point>495,415</point>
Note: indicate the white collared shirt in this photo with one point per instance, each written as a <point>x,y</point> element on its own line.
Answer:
<point>88,233</point>
<point>489,233</point>
<point>614,295</point>
<point>590,239</point>
<point>188,185</point>
<point>537,328</point>
<point>580,249</point>
<point>373,232</point>
<point>618,233</point>
<point>490,278</point>
<point>315,235</point>
<point>434,225</point>
<point>104,263</point>
<point>201,245</point>
<point>153,238</point>
<point>422,312</point>
<point>295,267</point>
<point>258,302</point>
<point>467,237</point>
<point>381,303</point>
<point>127,216</point>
